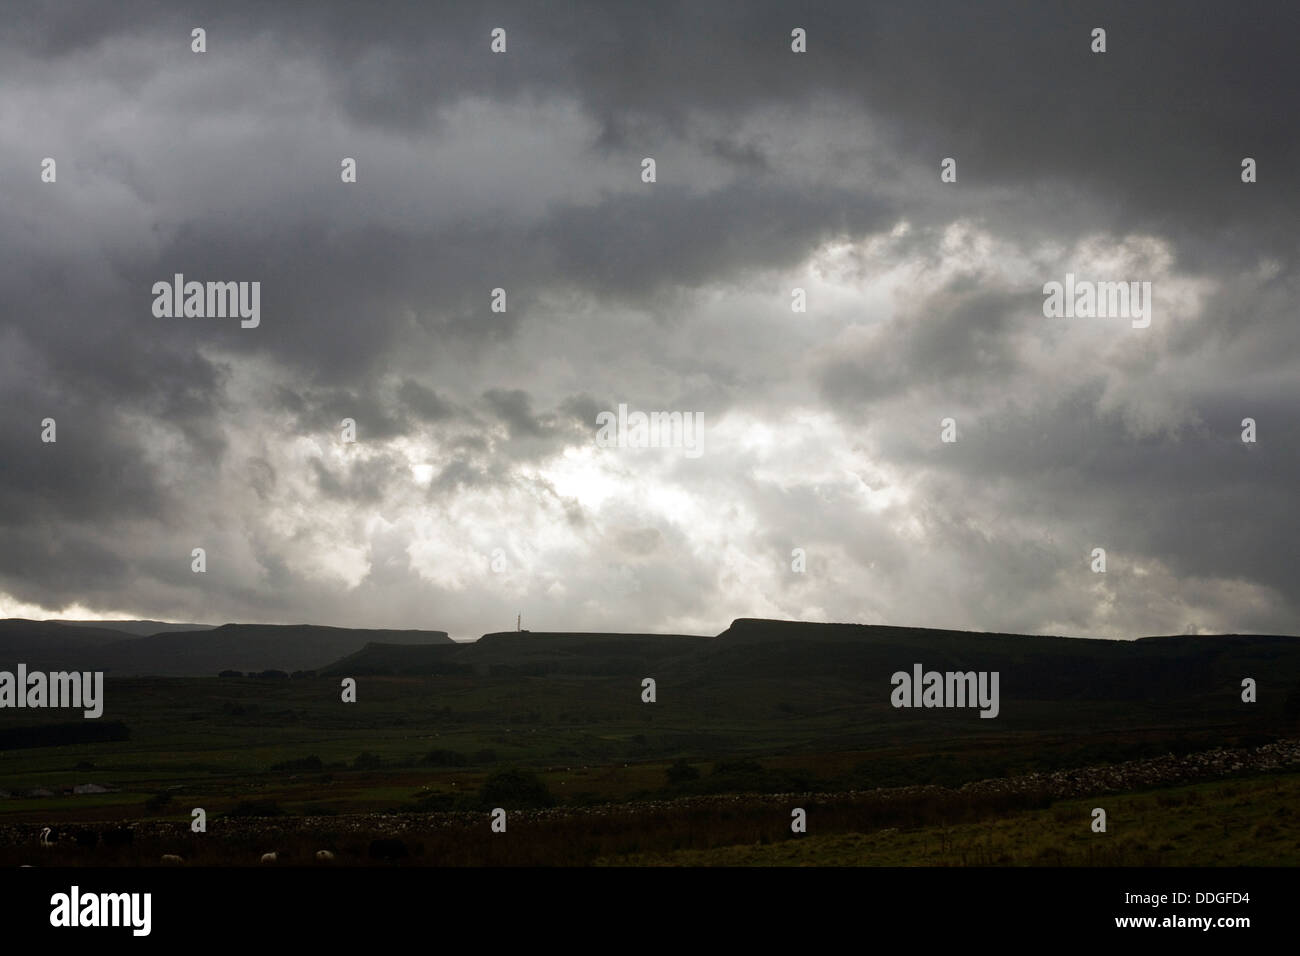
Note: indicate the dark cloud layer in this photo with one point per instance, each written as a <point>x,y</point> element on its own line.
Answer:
<point>775,170</point>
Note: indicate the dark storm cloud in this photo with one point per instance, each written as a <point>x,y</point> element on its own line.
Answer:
<point>582,409</point>
<point>424,403</point>
<point>514,408</point>
<point>97,469</point>
<point>631,246</point>
<point>959,335</point>
<point>1138,450</point>
<point>530,436</point>
<point>376,299</point>
<point>941,89</point>
<point>1197,500</point>
<point>358,481</point>
<point>324,410</point>
<point>1012,88</point>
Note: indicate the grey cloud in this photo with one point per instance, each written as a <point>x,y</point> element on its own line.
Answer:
<point>520,172</point>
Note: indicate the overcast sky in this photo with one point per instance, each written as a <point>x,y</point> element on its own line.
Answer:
<point>775,170</point>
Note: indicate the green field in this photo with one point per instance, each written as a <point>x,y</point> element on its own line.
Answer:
<point>739,718</point>
<point>215,741</point>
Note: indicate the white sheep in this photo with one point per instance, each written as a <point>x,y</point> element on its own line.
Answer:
<point>324,856</point>
<point>171,859</point>
<point>268,857</point>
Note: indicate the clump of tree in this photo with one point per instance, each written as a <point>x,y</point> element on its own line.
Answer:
<point>61,735</point>
<point>367,761</point>
<point>231,674</point>
<point>515,789</point>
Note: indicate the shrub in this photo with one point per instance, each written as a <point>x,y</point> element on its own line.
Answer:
<point>441,803</point>
<point>445,758</point>
<point>1291,703</point>
<point>681,771</point>
<point>158,802</point>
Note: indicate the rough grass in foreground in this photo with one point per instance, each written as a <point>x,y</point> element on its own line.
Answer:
<point>1245,822</point>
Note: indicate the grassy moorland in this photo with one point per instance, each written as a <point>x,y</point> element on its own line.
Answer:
<point>764,709</point>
